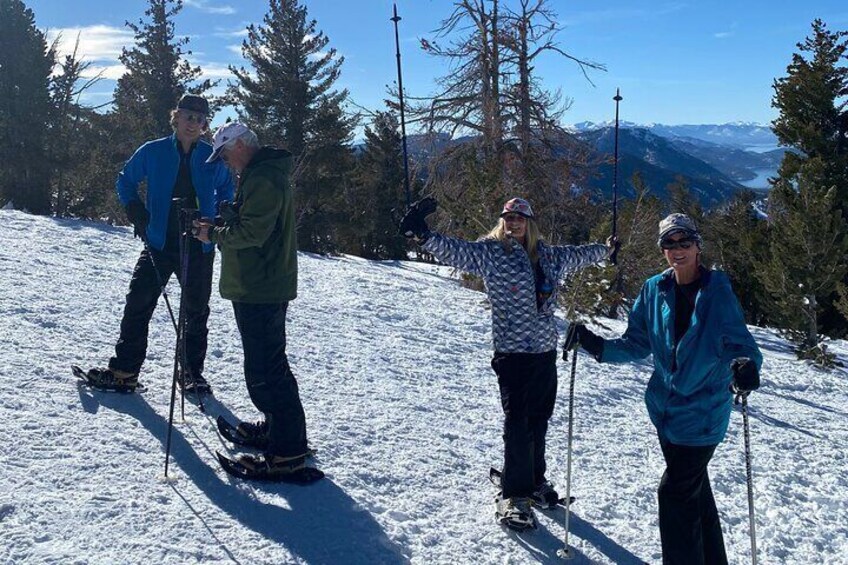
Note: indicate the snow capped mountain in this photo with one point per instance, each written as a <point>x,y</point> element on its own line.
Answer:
<point>392,361</point>
<point>744,135</point>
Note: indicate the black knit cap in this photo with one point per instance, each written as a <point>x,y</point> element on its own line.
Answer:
<point>194,103</point>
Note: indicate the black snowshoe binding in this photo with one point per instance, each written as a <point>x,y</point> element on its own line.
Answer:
<point>545,497</point>
<point>271,468</point>
<point>194,384</point>
<point>245,434</point>
<point>515,513</point>
<point>108,380</point>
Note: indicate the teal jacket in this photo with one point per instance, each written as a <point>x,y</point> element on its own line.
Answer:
<point>691,404</point>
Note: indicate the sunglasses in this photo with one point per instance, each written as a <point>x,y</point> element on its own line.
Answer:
<point>669,244</point>
<point>192,117</point>
<point>513,217</point>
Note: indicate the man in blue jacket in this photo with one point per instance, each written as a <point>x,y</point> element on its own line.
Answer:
<point>690,320</point>
<point>177,176</point>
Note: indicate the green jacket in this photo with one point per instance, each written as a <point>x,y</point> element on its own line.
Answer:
<point>258,246</point>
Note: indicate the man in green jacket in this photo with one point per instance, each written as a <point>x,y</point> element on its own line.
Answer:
<point>256,236</point>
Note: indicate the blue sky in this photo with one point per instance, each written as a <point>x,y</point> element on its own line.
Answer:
<point>675,62</point>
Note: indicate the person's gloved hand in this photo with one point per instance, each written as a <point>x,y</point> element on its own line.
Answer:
<point>139,217</point>
<point>414,222</point>
<point>592,343</point>
<point>746,377</point>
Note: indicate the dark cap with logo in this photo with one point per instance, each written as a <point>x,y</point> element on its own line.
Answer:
<point>194,103</point>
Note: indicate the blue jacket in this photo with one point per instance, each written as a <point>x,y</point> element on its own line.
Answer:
<point>158,161</point>
<point>690,405</point>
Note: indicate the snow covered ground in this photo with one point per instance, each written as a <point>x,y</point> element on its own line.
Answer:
<point>393,365</point>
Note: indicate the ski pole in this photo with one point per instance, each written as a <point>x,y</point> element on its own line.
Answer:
<point>163,287</point>
<point>565,551</point>
<point>188,215</point>
<point>750,480</point>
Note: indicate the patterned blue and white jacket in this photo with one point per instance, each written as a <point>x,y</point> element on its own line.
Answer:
<point>518,324</point>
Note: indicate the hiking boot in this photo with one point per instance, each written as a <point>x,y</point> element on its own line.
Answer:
<point>545,496</point>
<point>113,380</point>
<point>271,466</point>
<point>195,384</point>
<point>515,513</point>
<point>254,434</point>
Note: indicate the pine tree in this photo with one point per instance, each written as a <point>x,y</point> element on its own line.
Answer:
<point>158,74</point>
<point>811,99</point>
<point>808,245</point>
<point>25,67</point>
<point>736,238</point>
<point>377,194</point>
<point>288,99</point>
<point>812,105</point>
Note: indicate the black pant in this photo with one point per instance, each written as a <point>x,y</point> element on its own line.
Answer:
<point>143,296</point>
<point>528,385</point>
<point>270,382</point>
<point>689,525</point>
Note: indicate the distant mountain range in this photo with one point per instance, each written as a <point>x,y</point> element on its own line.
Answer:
<point>716,160</point>
<point>742,135</point>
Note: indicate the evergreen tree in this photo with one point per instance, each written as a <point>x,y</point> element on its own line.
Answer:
<point>157,76</point>
<point>811,99</point>
<point>377,194</point>
<point>736,238</point>
<point>288,99</point>
<point>25,67</point>
<point>808,246</point>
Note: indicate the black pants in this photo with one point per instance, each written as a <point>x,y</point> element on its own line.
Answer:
<point>689,525</point>
<point>270,382</point>
<point>143,296</point>
<point>528,385</point>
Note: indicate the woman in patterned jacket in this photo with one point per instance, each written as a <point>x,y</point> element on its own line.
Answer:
<point>520,272</point>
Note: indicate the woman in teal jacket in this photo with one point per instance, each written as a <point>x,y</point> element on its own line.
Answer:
<point>690,321</point>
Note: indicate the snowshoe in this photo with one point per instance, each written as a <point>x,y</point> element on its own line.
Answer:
<point>194,384</point>
<point>271,468</point>
<point>545,497</point>
<point>109,380</point>
<point>248,434</point>
<point>515,513</point>
<point>244,434</point>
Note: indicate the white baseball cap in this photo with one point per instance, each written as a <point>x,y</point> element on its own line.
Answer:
<point>226,134</point>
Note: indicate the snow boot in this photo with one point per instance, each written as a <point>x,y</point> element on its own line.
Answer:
<point>545,496</point>
<point>271,468</point>
<point>515,513</point>
<point>109,380</point>
<point>195,384</point>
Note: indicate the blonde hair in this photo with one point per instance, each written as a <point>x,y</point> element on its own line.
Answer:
<point>531,239</point>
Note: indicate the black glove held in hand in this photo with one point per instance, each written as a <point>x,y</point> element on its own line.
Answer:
<point>414,223</point>
<point>139,217</point>
<point>746,377</point>
<point>579,333</point>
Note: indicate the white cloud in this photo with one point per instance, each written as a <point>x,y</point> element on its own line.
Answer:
<point>723,34</point>
<point>112,72</point>
<point>240,32</point>
<point>97,43</point>
<point>235,48</point>
<point>205,6</point>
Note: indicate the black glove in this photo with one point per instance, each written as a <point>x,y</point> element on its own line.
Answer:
<point>139,217</point>
<point>580,334</point>
<point>414,223</point>
<point>746,377</point>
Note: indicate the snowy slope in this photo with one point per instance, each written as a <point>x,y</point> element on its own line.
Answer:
<point>392,361</point>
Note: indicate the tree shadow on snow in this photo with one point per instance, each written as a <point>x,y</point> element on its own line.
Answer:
<point>321,524</point>
<point>543,545</point>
